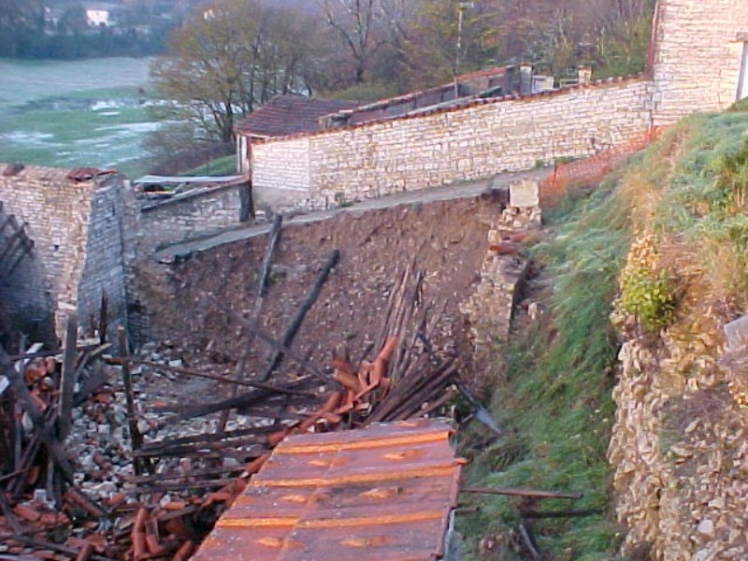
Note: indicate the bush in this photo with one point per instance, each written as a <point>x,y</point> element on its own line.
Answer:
<point>647,293</point>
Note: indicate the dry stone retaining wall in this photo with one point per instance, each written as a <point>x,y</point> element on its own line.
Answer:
<point>490,308</point>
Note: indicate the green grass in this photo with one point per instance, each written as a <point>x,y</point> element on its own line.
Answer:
<point>58,115</point>
<point>78,138</point>
<point>555,395</point>
<point>689,190</point>
<point>219,166</point>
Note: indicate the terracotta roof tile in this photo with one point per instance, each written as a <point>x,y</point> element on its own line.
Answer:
<point>290,114</point>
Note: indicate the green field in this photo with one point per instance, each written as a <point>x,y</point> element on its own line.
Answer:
<point>92,113</point>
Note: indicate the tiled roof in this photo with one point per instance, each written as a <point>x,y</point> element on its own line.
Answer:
<point>289,114</point>
<point>465,86</point>
<point>469,102</point>
<point>383,493</point>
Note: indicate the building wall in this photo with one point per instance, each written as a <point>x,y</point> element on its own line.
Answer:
<point>77,245</point>
<point>697,56</point>
<point>281,171</point>
<point>184,216</point>
<point>104,270</point>
<point>452,145</point>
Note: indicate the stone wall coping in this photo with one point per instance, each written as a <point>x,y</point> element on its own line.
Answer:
<point>425,112</point>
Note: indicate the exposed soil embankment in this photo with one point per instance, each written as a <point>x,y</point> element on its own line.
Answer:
<point>446,240</point>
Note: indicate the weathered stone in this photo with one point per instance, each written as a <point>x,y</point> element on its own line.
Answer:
<point>706,528</point>
<point>524,194</point>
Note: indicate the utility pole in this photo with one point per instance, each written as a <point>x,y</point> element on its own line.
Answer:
<point>458,59</point>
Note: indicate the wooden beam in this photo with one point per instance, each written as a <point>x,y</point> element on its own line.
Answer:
<point>67,383</point>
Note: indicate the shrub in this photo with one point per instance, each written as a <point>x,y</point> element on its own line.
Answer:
<point>647,293</point>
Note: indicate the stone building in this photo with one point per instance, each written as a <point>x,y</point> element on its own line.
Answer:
<point>75,219</point>
<point>699,57</point>
<point>88,231</point>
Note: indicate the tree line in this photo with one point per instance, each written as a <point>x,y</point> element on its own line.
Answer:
<point>230,56</point>
<point>28,32</point>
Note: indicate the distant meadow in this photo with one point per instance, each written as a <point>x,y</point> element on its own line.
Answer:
<point>85,113</point>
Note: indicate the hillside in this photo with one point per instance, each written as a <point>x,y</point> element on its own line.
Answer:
<point>646,270</point>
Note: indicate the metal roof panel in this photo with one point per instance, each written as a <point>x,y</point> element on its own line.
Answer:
<point>383,493</point>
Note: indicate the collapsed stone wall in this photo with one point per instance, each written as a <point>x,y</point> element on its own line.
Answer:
<point>490,308</point>
<point>679,449</point>
<point>77,243</point>
<point>422,151</point>
<point>698,47</point>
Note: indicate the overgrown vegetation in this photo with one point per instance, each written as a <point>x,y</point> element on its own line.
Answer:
<point>648,293</point>
<point>554,391</point>
<point>663,243</point>
<point>701,217</point>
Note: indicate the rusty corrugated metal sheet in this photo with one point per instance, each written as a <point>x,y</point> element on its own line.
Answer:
<point>383,493</point>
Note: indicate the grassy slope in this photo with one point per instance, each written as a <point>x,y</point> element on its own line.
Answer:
<point>556,378</point>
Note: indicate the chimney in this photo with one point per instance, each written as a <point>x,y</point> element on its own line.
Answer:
<point>525,79</point>
<point>584,75</point>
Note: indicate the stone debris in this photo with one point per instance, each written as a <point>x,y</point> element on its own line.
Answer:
<point>680,449</point>
<point>505,268</point>
<point>159,499</point>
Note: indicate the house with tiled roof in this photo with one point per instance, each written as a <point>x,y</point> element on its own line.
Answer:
<point>283,115</point>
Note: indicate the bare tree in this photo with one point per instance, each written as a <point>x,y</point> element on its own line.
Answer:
<point>364,27</point>
<point>229,57</point>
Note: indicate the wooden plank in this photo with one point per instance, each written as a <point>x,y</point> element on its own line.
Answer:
<point>55,447</point>
<point>290,332</point>
<point>135,437</point>
<point>67,384</point>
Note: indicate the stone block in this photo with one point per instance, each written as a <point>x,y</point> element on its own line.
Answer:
<point>737,333</point>
<point>523,194</point>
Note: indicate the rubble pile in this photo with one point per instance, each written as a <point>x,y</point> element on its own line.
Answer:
<point>152,454</point>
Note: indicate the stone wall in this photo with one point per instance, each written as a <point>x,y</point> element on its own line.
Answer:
<point>490,308</point>
<point>183,216</point>
<point>444,146</point>
<point>697,56</point>
<point>281,173</point>
<point>151,225</point>
<point>104,271</point>
<point>62,214</point>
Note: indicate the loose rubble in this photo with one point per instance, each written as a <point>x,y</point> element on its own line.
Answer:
<point>160,499</point>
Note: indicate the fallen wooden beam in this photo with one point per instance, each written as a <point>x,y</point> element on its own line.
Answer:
<point>68,380</point>
<point>135,437</point>
<point>267,259</point>
<point>290,332</point>
<point>252,326</point>
<point>561,513</point>
<point>55,447</point>
<point>243,400</point>
<point>513,492</point>
<point>195,374</point>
